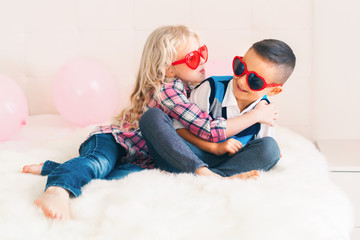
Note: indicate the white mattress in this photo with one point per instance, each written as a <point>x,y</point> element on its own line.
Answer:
<point>295,200</point>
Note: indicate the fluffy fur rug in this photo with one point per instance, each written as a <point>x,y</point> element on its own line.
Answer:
<point>295,200</point>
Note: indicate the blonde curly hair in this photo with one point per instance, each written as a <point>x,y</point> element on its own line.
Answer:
<point>159,52</point>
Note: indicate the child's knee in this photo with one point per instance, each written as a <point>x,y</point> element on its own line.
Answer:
<point>270,151</point>
<point>152,118</point>
<point>98,166</point>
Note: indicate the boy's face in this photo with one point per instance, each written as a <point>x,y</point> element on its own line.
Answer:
<point>269,71</point>
<point>182,71</point>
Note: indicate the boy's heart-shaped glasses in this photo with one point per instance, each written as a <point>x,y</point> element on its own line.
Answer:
<point>254,80</point>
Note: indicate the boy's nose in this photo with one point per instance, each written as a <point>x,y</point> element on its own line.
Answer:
<point>241,80</point>
<point>244,78</point>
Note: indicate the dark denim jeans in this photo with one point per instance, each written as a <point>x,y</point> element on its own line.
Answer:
<point>174,154</point>
<point>99,158</point>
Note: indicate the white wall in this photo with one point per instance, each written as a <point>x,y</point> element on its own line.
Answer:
<point>336,78</point>
<point>39,36</point>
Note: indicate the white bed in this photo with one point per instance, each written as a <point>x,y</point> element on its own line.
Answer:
<point>295,200</point>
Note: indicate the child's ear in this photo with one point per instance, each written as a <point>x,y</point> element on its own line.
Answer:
<point>275,90</point>
<point>169,72</point>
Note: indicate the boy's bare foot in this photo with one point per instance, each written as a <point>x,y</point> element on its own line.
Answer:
<point>54,202</point>
<point>204,171</point>
<point>33,168</point>
<point>254,174</point>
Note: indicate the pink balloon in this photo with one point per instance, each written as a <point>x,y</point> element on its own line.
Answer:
<point>85,93</point>
<point>13,108</point>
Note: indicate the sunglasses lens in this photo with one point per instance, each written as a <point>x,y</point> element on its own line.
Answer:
<point>238,67</point>
<point>204,53</point>
<point>255,82</point>
<point>193,60</point>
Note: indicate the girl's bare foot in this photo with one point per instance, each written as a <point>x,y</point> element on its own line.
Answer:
<point>54,202</point>
<point>254,174</point>
<point>33,168</point>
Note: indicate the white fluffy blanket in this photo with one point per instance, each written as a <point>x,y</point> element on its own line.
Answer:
<point>295,200</point>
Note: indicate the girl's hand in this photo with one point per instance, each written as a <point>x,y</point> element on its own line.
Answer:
<point>230,146</point>
<point>266,113</point>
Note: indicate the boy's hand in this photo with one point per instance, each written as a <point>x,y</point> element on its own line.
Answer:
<point>266,113</point>
<point>230,146</point>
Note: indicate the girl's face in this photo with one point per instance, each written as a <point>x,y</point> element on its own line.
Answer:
<point>182,71</point>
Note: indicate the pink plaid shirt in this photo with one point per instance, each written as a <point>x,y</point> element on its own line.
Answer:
<point>173,100</point>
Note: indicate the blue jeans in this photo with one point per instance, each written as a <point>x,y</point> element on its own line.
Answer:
<point>174,154</point>
<point>99,158</point>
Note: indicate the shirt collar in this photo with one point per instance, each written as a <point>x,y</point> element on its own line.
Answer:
<point>230,100</point>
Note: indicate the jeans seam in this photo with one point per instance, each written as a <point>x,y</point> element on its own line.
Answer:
<point>96,145</point>
<point>74,191</point>
<point>45,167</point>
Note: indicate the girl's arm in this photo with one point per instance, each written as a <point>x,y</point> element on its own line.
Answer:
<point>175,103</point>
<point>174,99</point>
<point>262,113</point>
<point>231,145</point>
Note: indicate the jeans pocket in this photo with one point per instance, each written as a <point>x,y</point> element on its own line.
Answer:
<point>88,145</point>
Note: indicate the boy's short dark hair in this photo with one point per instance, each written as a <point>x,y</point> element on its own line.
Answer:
<point>277,52</point>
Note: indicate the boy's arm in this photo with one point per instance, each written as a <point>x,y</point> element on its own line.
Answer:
<point>230,146</point>
<point>264,113</point>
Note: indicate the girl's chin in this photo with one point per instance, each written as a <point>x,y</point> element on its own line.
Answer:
<point>196,79</point>
<point>202,76</point>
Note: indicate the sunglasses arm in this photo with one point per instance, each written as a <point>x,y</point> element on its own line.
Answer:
<point>274,85</point>
<point>179,62</point>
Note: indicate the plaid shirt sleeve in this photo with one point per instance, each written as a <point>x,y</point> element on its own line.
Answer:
<point>173,97</point>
